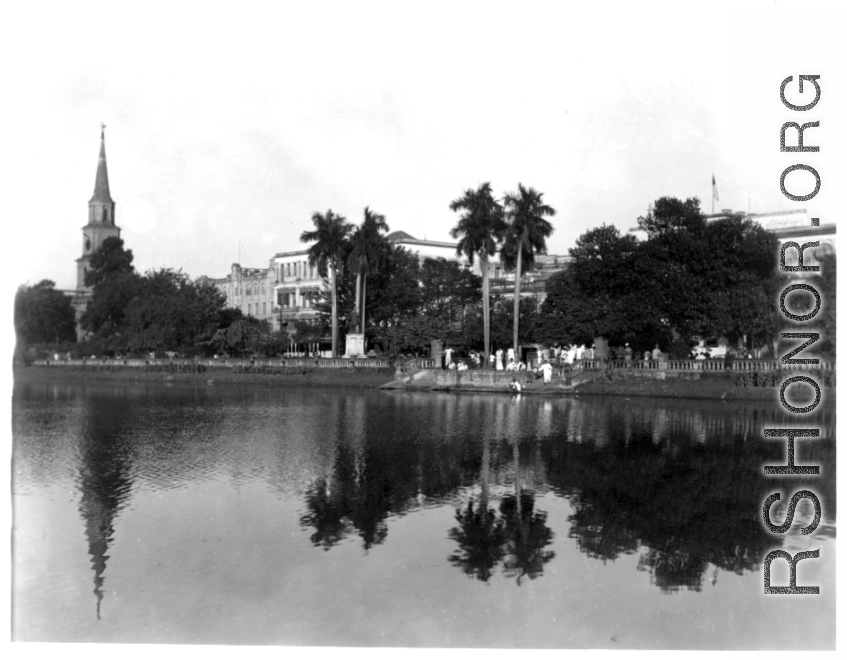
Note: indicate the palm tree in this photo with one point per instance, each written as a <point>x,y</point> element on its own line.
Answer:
<point>525,237</point>
<point>329,240</point>
<point>481,228</point>
<point>366,243</point>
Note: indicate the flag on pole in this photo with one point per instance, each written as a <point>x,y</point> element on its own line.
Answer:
<point>715,195</point>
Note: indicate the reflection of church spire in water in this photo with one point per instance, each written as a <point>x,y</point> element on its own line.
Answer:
<point>98,530</point>
<point>103,481</point>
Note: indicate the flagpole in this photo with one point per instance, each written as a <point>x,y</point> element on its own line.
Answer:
<point>713,193</point>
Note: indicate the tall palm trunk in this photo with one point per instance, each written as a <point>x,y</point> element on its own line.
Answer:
<point>364,300</point>
<point>334,314</point>
<point>518,297</point>
<point>486,311</point>
<point>358,304</point>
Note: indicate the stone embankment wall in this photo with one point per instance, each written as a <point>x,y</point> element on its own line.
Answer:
<point>306,363</point>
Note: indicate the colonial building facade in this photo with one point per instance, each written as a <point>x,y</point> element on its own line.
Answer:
<point>289,288</point>
<point>101,225</point>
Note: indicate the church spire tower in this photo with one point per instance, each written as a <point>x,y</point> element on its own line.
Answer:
<point>101,225</point>
<point>101,208</point>
<point>101,215</point>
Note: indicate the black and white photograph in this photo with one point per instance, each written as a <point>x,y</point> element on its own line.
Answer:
<point>382,327</point>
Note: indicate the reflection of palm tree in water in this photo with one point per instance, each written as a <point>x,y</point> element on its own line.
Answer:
<point>526,531</point>
<point>326,515</point>
<point>480,534</point>
<point>516,537</point>
<point>358,498</point>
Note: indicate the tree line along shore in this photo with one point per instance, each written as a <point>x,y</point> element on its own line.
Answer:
<point>692,278</point>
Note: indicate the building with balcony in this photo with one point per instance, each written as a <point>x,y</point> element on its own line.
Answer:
<point>289,288</point>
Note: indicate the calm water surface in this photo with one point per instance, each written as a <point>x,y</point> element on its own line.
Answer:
<point>243,515</point>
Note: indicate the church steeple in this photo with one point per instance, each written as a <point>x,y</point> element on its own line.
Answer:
<point>101,220</point>
<point>101,206</point>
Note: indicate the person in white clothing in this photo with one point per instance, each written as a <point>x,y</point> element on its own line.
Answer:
<point>510,354</point>
<point>515,386</point>
<point>448,357</point>
<point>499,354</point>
<point>547,371</point>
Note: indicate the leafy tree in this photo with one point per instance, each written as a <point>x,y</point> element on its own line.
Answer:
<point>525,237</point>
<point>502,322</point>
<point>245,337</point>
<point>690,277</point>
<point>669,214</point>
<point>43,314</point>
<point>109,260</point>
<point>329,240</point>
<point>802,303</point>
<point>161,310</point>
<point>367,248</point>
<point>396,298</point>
<point>170,312</point>
<point>480,229</point>
<point>447,290</point>
<point>106,310</point>
<point>602,294</point>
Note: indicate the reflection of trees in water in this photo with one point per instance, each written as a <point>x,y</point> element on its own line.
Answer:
<point>374,474</point>
<point>683,487</point>
<point>516,537</point>
<point>481,538</point>
<point>527,535</point>
<point>326,515</point>
<point>690,504</point>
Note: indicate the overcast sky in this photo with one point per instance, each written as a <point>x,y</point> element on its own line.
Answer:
<point>229,125</point>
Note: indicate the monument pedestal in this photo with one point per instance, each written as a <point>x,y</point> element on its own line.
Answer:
<point>436,352</point>
<point>601,348</point>
<point>355,345</point>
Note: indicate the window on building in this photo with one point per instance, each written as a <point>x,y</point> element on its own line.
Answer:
<point>249,309</point>
<point>264,309</point>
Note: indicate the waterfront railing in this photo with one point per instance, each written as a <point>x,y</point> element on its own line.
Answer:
<point>415,364</point>
<point>279,363</point>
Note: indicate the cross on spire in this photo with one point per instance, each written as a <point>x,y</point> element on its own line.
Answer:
<point>102,130</point>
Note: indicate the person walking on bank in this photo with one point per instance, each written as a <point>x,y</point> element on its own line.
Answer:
<point>510,354</point>
<point>448,357</point>
<point>628,352</point>
<point>499,355</point>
